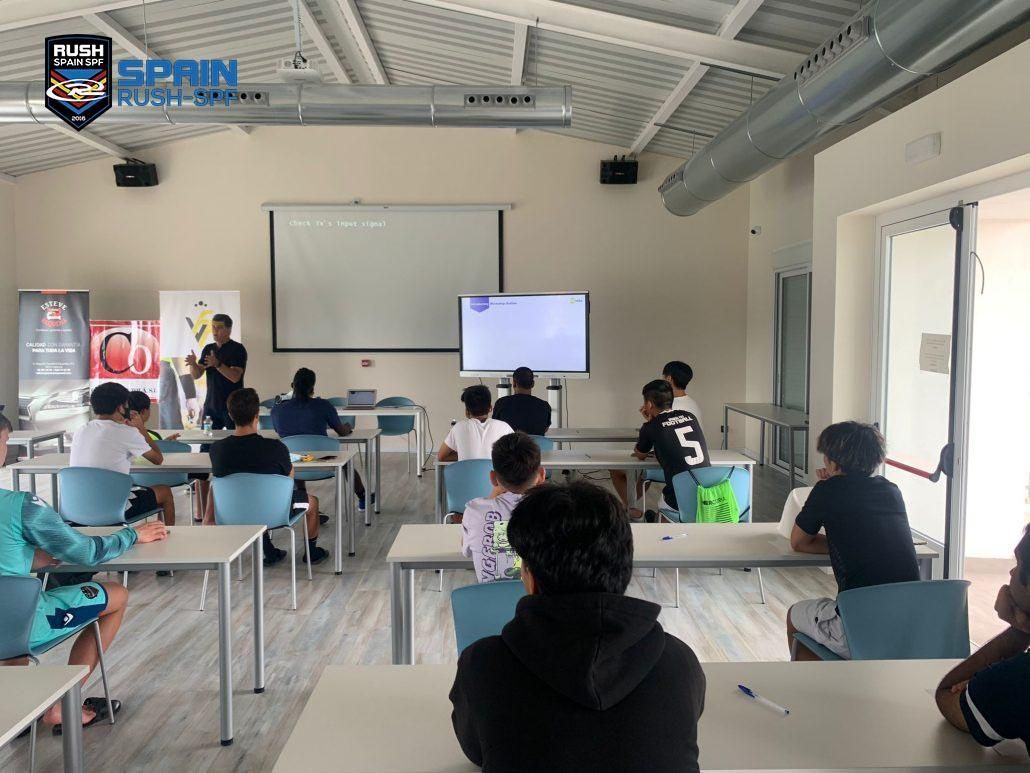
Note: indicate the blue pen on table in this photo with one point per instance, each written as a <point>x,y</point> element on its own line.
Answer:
<point>764,701</point>
<point>671,537</point>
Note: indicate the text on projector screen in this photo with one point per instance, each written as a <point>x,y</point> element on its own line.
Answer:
<point>337,223</point>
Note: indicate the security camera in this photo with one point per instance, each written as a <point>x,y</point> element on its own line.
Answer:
<point>756,230</point>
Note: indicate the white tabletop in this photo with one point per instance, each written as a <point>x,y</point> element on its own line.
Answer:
<point>195,436</point>
<point>862,715</point>
<point>382,410</point>
<point>178,462</point>
<point>707,545</point>
<point>187,547</point>
<point>21,437</point>
<point>774,414</point>
<point>594,434</point>
<point>28,691</point>
<point>621,459</point>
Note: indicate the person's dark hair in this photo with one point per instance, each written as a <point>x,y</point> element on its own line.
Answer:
<point>659,393</point>
<point>107,398</point>
<point>5,424</point>
<point>523,378</point>
<point>516,459</point>
<point>244,406</point>
<point>139,401</point>
<point>225,319</point>
<point>680,373</point>
<point>857,448</point>
<point>477,399</point>
<point>573,538</point>
<point>303,384</point>
<point>1022,554</point>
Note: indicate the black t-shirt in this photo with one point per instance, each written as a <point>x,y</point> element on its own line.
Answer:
<point>249,453</point>
<point>233,354</point>
<point>866,527</point>
<point>994,703</point>
<point>676,438</point>
<point>524,413</point>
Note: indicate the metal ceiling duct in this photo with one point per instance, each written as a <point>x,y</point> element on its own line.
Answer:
<point>303,104</point>
<point>885,49</point>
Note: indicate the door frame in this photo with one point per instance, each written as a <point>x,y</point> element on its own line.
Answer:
<point>780,273</point>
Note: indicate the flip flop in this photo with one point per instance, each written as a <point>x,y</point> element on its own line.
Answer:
<point>99,708</point>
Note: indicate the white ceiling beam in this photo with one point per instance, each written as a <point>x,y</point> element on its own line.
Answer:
<point>518,54</point>
<point>633,33</point>
<point>7,178</point>
<point>94,141</point>
<point>325,48</point>
<point>734,22</point>
<point>120,35</point>
<point>15,14</point>
<point>359,33</point>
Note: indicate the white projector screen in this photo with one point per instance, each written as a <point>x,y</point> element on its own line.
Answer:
<point>547,332</point>
<point>374,279</point>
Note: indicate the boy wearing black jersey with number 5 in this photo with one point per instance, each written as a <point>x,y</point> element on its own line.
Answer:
<point>673,435</point>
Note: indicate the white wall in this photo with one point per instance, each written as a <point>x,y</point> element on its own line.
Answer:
<point>8,305</point>
<point>662,287</point>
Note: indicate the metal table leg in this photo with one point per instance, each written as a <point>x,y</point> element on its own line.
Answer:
<point>339,521</point>
<point>441,494</point>
<point>631,488</point>
<point>225,652</point>
<point>369,490</point>
<point>71,706</point>
<point>351,506</point>
<point>725,428</point>
<point>258,570</point>
<point>30,451</point>
<point>408,611</point>
<point>419,443</point>
<point>396,614</point>
<point>379,471</point>
<point>15,480</point>
<point>790,461</point>
<point>761,442</point>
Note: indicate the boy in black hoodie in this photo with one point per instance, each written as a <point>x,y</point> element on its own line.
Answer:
<point>583,678</point>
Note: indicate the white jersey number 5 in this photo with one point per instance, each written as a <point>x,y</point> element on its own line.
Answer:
<point>697,455</point>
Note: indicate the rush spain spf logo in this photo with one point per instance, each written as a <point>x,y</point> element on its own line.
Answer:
<point>78,78</point>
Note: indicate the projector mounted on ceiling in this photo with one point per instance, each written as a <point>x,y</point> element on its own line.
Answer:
<point>290,70</point>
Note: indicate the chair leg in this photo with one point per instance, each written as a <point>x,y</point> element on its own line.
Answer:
<point>293,566</point>
<point>103,670</point>
<point>32,746</point>
<point>46,578</point>
<point>407,440</point>
<point>203,592</point>
<point>125,579</point>
<point>307,545</point>
<point>677,588</point>
<point>761,584</point>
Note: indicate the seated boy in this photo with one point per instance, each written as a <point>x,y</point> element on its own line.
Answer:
<point>247,451</point>
<point>583,678</point>
<point>474,436</point>
<point>521,410</point>
<point>484,525</point>
<point>867,532</point>
<point>139,403</point>
<point>986,695</point>
<point>675,438</point>
<point>34,537</point>
<point>112,440</point>
<point>678,375</point>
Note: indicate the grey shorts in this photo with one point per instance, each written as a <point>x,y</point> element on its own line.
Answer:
<point>818,619</point>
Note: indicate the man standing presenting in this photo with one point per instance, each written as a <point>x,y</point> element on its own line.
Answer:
<point>224,362</point>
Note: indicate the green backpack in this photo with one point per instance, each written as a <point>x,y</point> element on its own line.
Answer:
<point>718,503</point>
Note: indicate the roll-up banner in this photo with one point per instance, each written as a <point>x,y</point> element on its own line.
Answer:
<point>53,359</point>
<point>126,351</point>
<point>186,327</point>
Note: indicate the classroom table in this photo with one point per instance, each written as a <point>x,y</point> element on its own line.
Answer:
<point>202,548</point>
<point>417,411</point>
<point>369,437</point>
<point>845,716</point>
<point>340,463</point>
<point>30,438</point>
<point>593,434</point>
<point>28,691</point>
<point>766,413</point>
<point>706,546</point>
<point>600,459</point>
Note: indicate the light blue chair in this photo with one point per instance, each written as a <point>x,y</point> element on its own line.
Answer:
<point>925,619</point>
<point>19,597</point>
<point>91,496</point>
<point>269,403</point>
<point>170,479</point>
<point>483,610</point>
<point>341,402</point>
<point>318,443</point>
<point>252,499</point>
<point>395,426</point>
<point>466,480</point>
<point>265,422</point>
<point>545,443</point>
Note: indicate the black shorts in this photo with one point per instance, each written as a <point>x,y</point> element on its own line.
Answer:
<point>141,500</point>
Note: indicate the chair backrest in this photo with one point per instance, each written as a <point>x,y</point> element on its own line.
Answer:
<point>19,597</point>
<point>483,610</point>
<point>466,480</point>
<point>249,498</point>
<point>686,489</point>
<point>395,425</point>
<point>301,443</point>
<point>265,422</point>
<point>341,402</point>
<point>906,620</point>
<point>269,403</point>
<point>164,478</point>
<point>91,496</point>
<point>545,443</point>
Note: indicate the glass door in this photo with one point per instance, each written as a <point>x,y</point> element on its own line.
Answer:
<point>793,327</point>
<point>924,362</point>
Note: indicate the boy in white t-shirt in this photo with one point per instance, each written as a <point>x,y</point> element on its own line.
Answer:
<point>474,437</point>
<point>484,525</point>
<point>113,439</point>
<point>678,375</point>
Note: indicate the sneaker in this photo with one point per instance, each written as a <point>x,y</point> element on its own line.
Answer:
<point>164,573</point>
<point>323,518</point>
<point>361,503</point>
<point>651,516</point>
<point>274,556</point>
<point>318,555</point>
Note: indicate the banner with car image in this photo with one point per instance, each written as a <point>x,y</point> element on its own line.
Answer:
<point>53,359</point>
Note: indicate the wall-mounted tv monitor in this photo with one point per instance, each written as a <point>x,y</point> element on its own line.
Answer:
<point>548,332</point>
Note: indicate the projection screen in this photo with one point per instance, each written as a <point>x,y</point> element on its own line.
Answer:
<point>379,278</point>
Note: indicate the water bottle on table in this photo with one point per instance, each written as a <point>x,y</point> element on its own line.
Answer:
<point>208,425</point>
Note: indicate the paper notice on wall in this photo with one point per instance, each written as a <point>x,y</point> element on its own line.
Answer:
<point>935,353</point>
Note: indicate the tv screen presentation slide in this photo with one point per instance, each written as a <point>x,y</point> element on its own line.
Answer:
<point>546,332</point>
